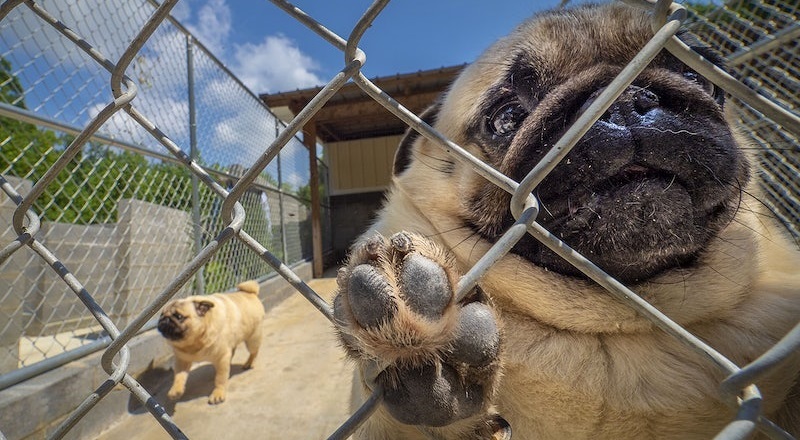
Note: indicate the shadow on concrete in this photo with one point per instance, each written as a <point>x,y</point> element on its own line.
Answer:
<point>157,381</point>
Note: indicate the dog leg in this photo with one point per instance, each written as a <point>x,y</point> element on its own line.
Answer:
<point>222,368</point>
<point>438,360</point>
<point>182,368</point>
<point>253,344</point>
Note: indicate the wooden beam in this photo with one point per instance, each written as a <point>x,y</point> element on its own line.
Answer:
<point>334,112</point>
<point>310,141</point>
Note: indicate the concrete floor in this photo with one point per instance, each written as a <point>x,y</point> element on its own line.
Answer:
<point>300,386</point>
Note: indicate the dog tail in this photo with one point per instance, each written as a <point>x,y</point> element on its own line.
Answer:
<point>249,287</point>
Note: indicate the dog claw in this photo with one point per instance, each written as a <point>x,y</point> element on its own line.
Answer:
<point>217,396</point>
<point>374,246</point>
<point>401,242</point>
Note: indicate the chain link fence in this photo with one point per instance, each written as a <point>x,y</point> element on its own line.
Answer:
<point>150,175</point>
<point>123,213</point>
<point>760,43</point>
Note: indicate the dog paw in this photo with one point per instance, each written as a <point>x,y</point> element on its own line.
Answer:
<point>175,392</point>
<point>396,311</point>
<point>217,396</point>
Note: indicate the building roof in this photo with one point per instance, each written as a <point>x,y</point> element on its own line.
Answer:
<point>351,114</point>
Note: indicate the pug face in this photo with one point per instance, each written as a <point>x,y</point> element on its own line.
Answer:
<point>183,319</point>
<point>644,190</point>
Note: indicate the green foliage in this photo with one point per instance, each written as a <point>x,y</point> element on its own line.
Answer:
<point>235,262</point>
<point>11,91</point>
<point>89,188</point>
<point>25,150</point>
<point>304,194</point>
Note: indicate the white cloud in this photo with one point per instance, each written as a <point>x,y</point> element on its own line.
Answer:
<point>37,39</point>
<point>170,116</point>
<point>275,64</point>
<point>181,11</point>
<point>213,25</point>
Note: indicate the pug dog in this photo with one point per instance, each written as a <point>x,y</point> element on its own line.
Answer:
<point>658,193</point>
<point>208,328</point>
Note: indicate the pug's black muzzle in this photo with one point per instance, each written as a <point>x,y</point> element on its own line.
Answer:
<point>169,328</point>
<point>643,191</point>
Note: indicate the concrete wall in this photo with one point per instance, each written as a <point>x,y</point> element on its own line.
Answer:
<point>297,229</point>
<point>123,266</point>
<point>13,315</point>
<point>55,306</point>
<point>154,246</point>
<point>34,408</point>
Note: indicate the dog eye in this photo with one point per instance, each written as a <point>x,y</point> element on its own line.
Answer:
<point>707,85</point>
<point>178,316</point>
<point>506,119</point>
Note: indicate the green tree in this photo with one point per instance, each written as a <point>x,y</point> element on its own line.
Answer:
<point>25,150</point>
<point>304,194</point>
<point>89,188</point>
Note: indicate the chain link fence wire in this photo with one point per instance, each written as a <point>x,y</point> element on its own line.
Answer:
<point>124,214</point>
<point>761,43</point>
<point>58,144</point>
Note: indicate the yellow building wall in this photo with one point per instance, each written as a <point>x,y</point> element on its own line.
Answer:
<point>363,165</point>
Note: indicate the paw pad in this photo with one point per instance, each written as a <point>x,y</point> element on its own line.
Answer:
<point>370,296</point>
<point>426,289</point>
<point>431,396</point>
<point>477,339</point>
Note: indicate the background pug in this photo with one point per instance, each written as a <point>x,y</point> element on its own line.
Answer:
<point>656,194</point>
<point>208,328</point>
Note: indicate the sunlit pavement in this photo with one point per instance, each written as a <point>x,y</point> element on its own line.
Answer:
<point>300,386</point>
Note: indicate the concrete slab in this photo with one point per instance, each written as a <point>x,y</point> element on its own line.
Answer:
<point>300,386</point>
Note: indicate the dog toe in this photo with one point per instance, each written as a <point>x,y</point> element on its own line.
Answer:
<point>425,286</point>
<point>370,296</point>
<point>430,395</point>
<point>217,396</point>
<point>477,341</point>
<point>174,394</point>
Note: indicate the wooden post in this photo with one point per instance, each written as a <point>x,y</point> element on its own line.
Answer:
<point>310,141</point>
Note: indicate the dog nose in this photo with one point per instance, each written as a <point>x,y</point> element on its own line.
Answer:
<point>644,100</point>
<point>634,102</point>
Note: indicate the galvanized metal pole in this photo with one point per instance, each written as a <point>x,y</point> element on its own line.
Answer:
<point>280,199</point>
<point>199,279</point>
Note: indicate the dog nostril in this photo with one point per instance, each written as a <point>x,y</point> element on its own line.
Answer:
<point>644,100</point>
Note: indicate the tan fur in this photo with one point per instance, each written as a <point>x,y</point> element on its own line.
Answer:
<point>579,364</point>
<point>234,318</point>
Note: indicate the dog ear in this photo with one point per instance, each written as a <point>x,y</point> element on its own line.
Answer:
<point>402,158</point>
<point>202,307</point>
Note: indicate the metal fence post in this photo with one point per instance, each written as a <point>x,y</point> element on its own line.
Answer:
<point>280,199</point>
<point>199,279</point>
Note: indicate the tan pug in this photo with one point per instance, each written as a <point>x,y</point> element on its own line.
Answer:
<point>656,194</point>
<point>208,328</point>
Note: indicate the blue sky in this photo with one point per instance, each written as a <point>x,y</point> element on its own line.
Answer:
<point>271,52</point>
